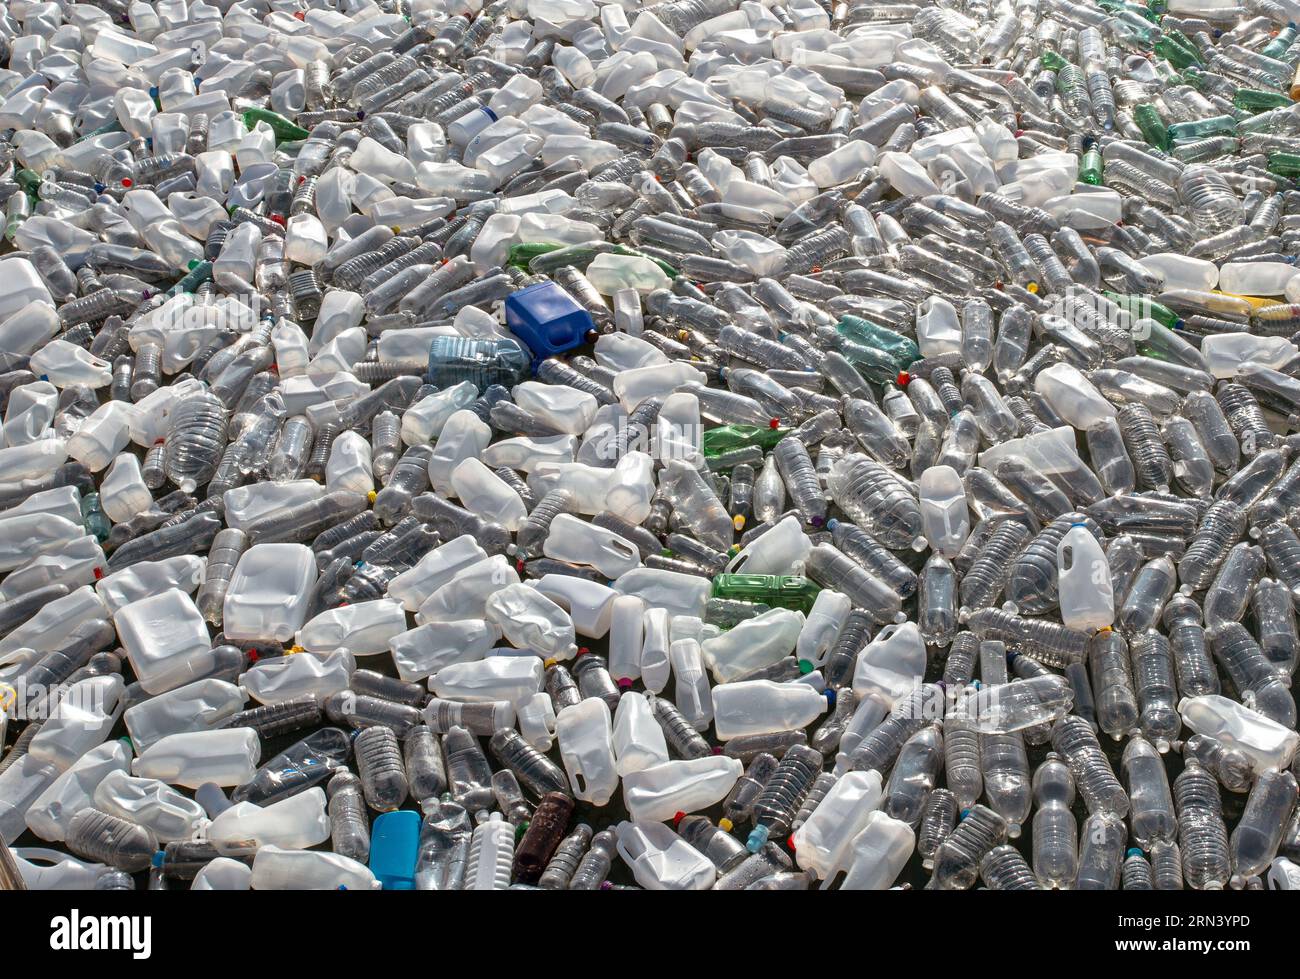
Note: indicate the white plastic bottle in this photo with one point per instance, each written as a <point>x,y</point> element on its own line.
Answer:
<point>891,664</point>
<point>626,636</point>
<point>483,492</point>
<point>821,844</point>
<point>763,707</point>
<point>691,683</point>
<point>1086,597</point>
<point>753,643</point>
<point>511,678</point>
<point>656,793</point>
<point>878,854</point>
<point>825,620</point>
<point>660,860</point>
<point>295,823</point>
<point>269,592</point>
<point>945,519</point>
<point>491,854</point>
<point>226,757</point>
<point>275,869</point>
<point>639,741</point>
<point>580,542</point>
<point>586,738</point>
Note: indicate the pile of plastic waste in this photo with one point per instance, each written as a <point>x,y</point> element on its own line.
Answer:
<point>702,444</point>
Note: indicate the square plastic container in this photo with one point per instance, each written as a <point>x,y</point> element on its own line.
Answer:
<point>394,848</point>
<point>547,319</point>
<point>269,592</point>
<point>165,639</point>
<point>22,285</point>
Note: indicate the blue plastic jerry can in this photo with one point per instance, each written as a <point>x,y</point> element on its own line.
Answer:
<point>547,319</point>
<point>394,847</point>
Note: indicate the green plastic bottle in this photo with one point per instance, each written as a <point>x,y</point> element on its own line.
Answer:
<point>1255,100</point>
<point>283,128</point>
<point>727,438</point>
<point>1177,49</point>
<point>899,349</point>
<point>29,181</point>
<point>522,255</point>
<point>1090,166</point>
<point>1277,47</point>
<point>94,518</point>
<point>776,590</point>
<point>1144,307</point>
<point>18,208</point>
<point>1201,128</point>
<point>1052,61</point>
<point>1284,164</point>
<point>199,273</point>
<point>1153,127</point>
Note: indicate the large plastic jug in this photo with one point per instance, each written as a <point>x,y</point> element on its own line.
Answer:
<point>466,595</point>
<point>679,594</point>
<point>484,493</point>
<point>269,592</point>
<point>166,639</point>
<point>295,823</point>
<point>657,793</point>
<point>822,843</point>
<point>782,550</point>
<point>21,784</point>
<point>512,678</point>
<point>226,757</point>
<point>764,706</point>
<point>626,636</point>
<point>148,578</point>
<point>81,719</point>
<point>280,678</point>
<point>51,870</point>
<point>363,629</point>
<point>660,860</point>
<point>580,542</point>
<point>945,519</point>
<point>892,664</point>
<point>586,738</point>
<point>589,603</point>
<point>429,648</point>
<point>878,854</point>
<point>639,741</point>
<point>74,789</point>
<point>753,643</point>
<point>275,869</point>
<point>196,706</point>
<point>1226,353</point>
<point>434,570</point>
<point>223,874</point>
<point>23,285</point>
<point>151,803</point>
<point>530,620</point>
<point>1086,597</point>
<point>1267,742</point>
<point>1073,396</point>
<point>825,620</point>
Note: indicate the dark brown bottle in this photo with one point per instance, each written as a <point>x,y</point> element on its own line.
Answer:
<point>543,835</point>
